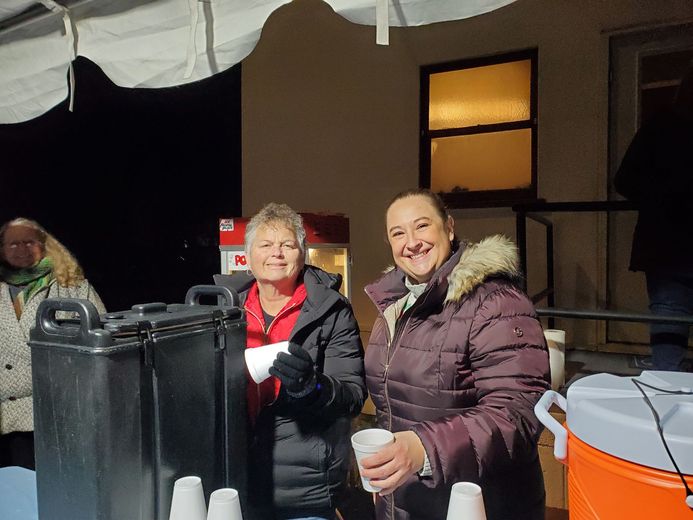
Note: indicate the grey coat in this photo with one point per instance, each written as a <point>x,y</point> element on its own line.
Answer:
<point>16,410</point>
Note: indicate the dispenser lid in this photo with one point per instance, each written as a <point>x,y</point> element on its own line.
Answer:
<point>162,317</point>
<point>610,414</point>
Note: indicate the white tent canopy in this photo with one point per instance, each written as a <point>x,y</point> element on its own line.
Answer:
<point>160,43</point>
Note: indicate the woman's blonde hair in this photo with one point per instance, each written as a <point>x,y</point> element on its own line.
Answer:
<point>66,269</point>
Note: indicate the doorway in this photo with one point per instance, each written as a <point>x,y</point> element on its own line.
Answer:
<point>645,71</point>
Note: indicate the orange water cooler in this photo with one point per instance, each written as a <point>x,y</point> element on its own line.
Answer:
<point>620,465</point>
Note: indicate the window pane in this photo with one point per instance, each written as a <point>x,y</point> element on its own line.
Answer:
<point>493,161</point>
<point>332,260</point>
<point>480,96</point>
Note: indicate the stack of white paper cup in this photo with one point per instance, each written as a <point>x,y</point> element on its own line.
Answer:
<point>188,502</point>
<point>466,502</point>
<point>224,504</point>
<point>366,443</point>
<point>260,359</point>
<point>555,339</point>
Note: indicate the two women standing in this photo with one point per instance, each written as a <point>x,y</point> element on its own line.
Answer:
<point>455,364</point>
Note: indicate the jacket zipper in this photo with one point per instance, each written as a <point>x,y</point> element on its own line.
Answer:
<point>390,341</point>
<point>399,329</point>
<point>387,368</point>
<point>265,334</point>
<point>283,311</point>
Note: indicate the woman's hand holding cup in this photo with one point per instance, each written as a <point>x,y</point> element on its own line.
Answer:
<point>295,370</point>
<point>390,467</point>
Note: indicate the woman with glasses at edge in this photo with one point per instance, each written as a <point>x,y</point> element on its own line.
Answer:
<point>33,266</point>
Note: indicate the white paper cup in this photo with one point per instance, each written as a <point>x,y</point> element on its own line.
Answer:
<point>260,359</point>
<point>466,502</point>
<point>224,504</point>
<point>366,443</point>
<point>188,502</point>
<point>555,339</point>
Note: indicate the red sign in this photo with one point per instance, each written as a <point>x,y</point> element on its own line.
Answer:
<point>320,229</point>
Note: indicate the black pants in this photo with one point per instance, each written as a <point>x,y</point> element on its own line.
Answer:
<point>17,449</point>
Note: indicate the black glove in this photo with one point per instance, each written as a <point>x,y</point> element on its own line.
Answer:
<point>295,370</point>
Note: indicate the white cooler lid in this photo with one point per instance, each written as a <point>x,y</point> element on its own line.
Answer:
<point>610,414</point>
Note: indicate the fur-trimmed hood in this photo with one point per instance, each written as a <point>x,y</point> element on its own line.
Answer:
<point>468,268</point>
<point>493,256</point>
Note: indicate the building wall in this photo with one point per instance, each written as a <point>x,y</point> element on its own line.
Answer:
<point>331,123</point>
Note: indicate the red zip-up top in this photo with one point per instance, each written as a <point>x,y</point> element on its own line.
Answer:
<point>280,330</point>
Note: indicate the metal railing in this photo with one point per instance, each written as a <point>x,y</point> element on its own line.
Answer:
<point>582,314</point>
<point>526,211</point>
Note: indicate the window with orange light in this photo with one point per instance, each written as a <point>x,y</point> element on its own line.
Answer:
<point>479,130</point>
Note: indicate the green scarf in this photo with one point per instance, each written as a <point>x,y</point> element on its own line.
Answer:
<point>33,279</point>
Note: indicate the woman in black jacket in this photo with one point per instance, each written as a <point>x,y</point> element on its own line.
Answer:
<point>300,449</point>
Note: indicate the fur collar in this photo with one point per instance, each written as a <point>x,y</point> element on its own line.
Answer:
<point>493,256</point>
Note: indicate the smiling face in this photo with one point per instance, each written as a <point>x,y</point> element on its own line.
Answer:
<point>420,239</point>
<point>275,256</point>
<point>22,247</point>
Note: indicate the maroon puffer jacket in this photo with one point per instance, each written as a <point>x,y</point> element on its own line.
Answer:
<point>467,364</point>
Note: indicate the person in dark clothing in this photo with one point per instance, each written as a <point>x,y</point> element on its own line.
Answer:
<point>657,174</point>
<point>455,364</point>
<point>300,449</point>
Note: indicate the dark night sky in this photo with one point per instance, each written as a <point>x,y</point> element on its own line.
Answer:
<point>132,182</point>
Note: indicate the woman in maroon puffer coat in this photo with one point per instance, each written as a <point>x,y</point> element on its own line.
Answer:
<point>455,363</point>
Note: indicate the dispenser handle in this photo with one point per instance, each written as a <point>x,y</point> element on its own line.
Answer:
<point>228,296</point>
<point>89,332</point>
<point>541,410</point>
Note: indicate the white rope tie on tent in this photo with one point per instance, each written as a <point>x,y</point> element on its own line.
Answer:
<point>70,37</point>
<point>382,22</point>
<point>191,58</point>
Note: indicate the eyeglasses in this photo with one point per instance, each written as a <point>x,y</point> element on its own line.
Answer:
<point>25,243</point>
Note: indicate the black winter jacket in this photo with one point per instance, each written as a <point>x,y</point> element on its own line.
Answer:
<point>657,174</point>
<point>300,452</point>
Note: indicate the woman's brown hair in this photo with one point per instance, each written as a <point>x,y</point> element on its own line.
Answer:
<point>435,201</point>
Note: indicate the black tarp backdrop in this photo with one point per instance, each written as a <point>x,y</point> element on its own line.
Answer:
<point>133,181</point>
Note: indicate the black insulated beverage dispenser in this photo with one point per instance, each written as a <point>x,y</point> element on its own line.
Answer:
<point>126,403</point>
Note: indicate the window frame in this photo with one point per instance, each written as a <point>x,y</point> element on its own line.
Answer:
<point>485,198</point>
